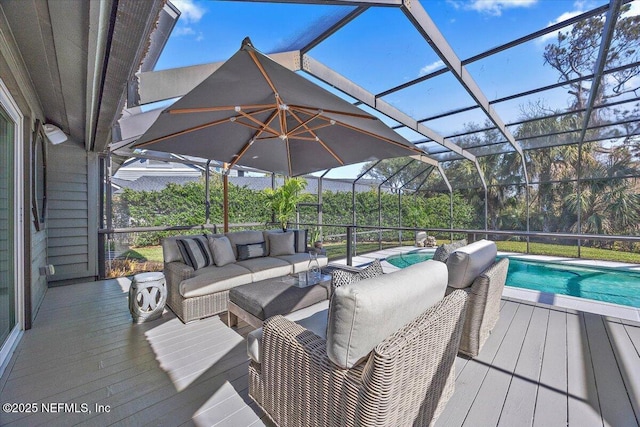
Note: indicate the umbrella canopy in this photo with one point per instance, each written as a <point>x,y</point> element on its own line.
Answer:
<point>254,112</point>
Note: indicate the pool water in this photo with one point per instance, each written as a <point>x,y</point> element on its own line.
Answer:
<point>600,284</point>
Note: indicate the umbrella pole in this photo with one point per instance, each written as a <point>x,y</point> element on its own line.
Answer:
<point>225,199</point>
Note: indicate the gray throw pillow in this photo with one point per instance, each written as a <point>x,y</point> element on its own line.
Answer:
<point>281,244</point>
<point>195,251</point>
<point>221,250</point>
<point>343,277</point>
<point>443,251</point>
<point>251,250</point>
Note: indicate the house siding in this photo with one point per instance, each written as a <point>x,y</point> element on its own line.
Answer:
<point>73,213</point>
<point>15,76</point>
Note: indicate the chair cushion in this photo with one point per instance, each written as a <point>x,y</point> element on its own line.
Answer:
<point>195,251</point>
<point>363,314</point>
<point>281,244</point>
<point>313,318</point>
<point>221,250</point>
<point>466,263</point>
<point>251,250</point>
<point>244,238</point>
<point>443,251</point>
<point>266,267</point>
<point>343,277</point>
<point>214,279</point>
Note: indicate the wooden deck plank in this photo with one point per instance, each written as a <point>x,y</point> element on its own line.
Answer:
<point>628,362</point>
<point>519,405</point>
<point>470,379</point>
<point>634,336</point>
<point>84,348</point>
<point>583,407</point>
<point>493,392</point>
<point>614,399</point>
<point>551,402</point>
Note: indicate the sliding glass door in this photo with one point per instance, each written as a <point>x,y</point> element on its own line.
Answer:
<point>7,227</point>
<point>11,241</point>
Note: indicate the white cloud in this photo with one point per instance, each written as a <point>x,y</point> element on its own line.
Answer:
<point>190,12</point>
<point>200,37</point>
<point>430,67</point>
<point>552,36</point>
<point>495,7</point>
<point>184,31</point>
<point>634,10</point>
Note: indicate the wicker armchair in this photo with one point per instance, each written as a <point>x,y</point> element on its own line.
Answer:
<point>483,307</point>
<point>406,380</point>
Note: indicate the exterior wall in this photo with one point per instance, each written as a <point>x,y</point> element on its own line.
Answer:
<point>14,75</point>
<point>72,189</point>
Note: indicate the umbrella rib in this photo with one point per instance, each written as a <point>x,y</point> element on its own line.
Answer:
<point>262,70</point>
<point>258,122</point>
<point>262,107</point>
<point>324,125</point>
<point>309,120</point>
<point>182,132</point>
<point>246,146</point>
<point>310,110</point>
<point>295,116</point>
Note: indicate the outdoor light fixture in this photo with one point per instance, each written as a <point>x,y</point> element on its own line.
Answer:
<point>55,134</point>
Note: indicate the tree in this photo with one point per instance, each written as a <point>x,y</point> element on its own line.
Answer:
<point>574,55</point>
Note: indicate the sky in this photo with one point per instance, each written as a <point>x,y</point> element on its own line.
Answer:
<point>381,48</point>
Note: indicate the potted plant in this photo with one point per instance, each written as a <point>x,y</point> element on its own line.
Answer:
<point>283,200</point>
<point>316,240</point>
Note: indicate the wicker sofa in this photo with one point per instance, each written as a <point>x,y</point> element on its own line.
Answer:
<point>474,269</point>
<point>382,354</point>
<point>197,293</point>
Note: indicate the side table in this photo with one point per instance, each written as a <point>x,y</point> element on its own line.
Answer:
<point>147,296</point>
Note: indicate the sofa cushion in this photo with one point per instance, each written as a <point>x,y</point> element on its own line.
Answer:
<point>221,250</point>
<point>213,279</point>
<point>299,238</point>
<point>443,251</point>
<point>195,251</point>
<point>266,267</point>
<point>313,318</point>
<point>281,244</point>
<point>363,314</point>
<point>251,250</point>
<point>300,261</point>
<point>343,277</point>
<point>244,238</point>
<point>466,263</point>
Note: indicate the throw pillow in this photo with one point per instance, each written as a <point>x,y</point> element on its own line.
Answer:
<point>281,244</point>
<point>195,251</point>
<point>343,277</point>
<point>443,251</point>
<point>221,250</point>
<point>251,250</point>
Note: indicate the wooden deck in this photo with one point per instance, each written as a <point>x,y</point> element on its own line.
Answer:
<point>541,366</point>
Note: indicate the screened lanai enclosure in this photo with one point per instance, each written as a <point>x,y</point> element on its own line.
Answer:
<point>533,140</point>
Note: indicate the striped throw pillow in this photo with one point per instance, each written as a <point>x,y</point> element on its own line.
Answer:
<point>195,252</point>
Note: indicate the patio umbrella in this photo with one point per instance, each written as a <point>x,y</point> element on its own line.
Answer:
<point>254,112</point>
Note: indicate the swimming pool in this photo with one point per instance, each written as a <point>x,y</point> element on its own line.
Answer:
<point>600,284</point>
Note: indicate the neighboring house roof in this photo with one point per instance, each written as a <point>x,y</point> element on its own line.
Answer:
<point>151,183</point>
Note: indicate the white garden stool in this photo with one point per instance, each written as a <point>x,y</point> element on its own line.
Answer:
<point>147,296</point>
